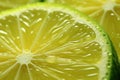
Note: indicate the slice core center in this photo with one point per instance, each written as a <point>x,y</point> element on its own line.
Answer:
<point>24,58</point>
<point>109,5</point>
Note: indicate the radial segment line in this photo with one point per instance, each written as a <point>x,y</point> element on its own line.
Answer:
<point>39,31</point>
<point>56,37</point>
<point>7,54</point>
<point>20,32</point>
<point>58,25</point>
<point>47,72</point>
<point>15,46</point>
<point>10,39</point>
<point>103,17</point>
<point>18,73</point>
<point>41,60</point>
<point>7,46</point>
<point>118,16</point>
<point>29,73</point>
<point>56,70</point>
<point>63,47</point>
<point>67,46</point>
<point>95,13</point>
<point>6,62</point>
<point>8,70</point>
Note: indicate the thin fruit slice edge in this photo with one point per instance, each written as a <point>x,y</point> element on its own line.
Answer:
<point>107,64</point>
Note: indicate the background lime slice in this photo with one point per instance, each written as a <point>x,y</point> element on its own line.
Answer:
<point>106,12</point>
<point>7,4</point>
<point>54,42</point>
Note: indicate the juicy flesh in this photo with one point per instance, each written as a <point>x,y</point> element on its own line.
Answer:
<point>108,15</point>
<point>37,45</point>
<point>106,12</point>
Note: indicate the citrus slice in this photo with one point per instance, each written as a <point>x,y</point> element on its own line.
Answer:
<point>53,42</point>
<point>106,12</point>
<point>7,4</point>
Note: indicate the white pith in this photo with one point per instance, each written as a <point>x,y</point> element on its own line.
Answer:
<point>24,58</point>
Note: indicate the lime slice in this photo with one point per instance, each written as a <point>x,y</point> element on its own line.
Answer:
<point>53,42</point>
<point>106,12</point>
<point>7,4</point>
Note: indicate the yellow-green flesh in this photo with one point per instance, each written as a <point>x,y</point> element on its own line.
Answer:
<point>36,44</point>
<point>106,12</point>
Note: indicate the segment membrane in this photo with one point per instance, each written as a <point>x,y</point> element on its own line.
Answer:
<point>61,47</point>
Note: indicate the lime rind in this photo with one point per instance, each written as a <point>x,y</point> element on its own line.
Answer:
<point>101,37</point>
<point>106,12</point>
